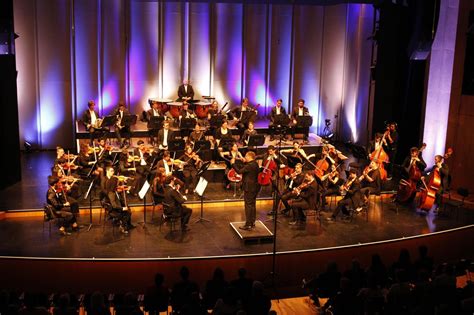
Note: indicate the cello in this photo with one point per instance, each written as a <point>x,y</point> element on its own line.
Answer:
<point>407,188</point>
<point>265,176</point>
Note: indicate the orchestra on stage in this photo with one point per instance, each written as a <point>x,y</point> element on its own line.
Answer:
<point>185,136</point>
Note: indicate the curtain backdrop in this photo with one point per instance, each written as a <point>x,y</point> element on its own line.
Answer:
<point>72,51</point>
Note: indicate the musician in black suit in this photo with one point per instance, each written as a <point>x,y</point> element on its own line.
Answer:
<point>370,180</point>
<point>153,129</point>
<point>277,111</point>
<point>306,198</point>
<point>185,92</point>
<point>352,197</point>
<point>119,212</point>
<point>173,203</point>
<point>443,170</point>
<point>120,128</point>
<point>292,181</point>
<point>165,136</point>
<point>61,206</point>
<point>250,187</point>
<point>299,111</point>
<point>90,121</point>
<point>415,159</point>
<point>244,114</point>
<point>392,145</point>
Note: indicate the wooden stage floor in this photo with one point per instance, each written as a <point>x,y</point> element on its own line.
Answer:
<point>24,235</point>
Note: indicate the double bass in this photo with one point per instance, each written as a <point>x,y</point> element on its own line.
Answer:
<point>431,187</point>
<point>380,156</point>
<point>428,192</point>
<point>407,188</point>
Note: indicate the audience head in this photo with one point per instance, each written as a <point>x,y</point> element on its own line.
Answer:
<point>159,279</point>
<point>184,273</point>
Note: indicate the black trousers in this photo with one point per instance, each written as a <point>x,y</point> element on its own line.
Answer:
<point>342,205</point>
<point>298,206</point>
<point>250,201</point>
<point>190,178</point>
<point>185,214</point>
<point>332,191</point>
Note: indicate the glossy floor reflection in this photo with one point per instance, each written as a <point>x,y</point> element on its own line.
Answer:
<point>25,236</point>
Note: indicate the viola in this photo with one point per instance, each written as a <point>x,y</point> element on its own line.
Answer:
<point>265,176</point>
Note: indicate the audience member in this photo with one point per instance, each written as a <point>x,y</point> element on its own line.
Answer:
<point>259,303</point>
<point>183,290</point>
<point>157,297</point>
<point>215,288</point>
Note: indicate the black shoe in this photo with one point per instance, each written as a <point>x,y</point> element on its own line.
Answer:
<point>245,227</point>
<point>185,228</point>
<point>284,212</point>
<point>271,212</point>
<point>293,222</point>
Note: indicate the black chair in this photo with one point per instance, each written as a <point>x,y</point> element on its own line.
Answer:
<point>168,216</point>
<point>52,216</point>
<point>456,204</point>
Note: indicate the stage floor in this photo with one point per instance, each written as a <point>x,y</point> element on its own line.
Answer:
<point>26,236</point>
<point>22,232</point>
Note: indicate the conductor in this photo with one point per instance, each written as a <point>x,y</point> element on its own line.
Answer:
<point>250,187</point>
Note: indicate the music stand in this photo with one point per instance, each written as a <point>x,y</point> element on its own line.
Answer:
<point>257,140</point>
<point>293,160</point>
<point>108,121</point>
<point>176,145</point>
<point>89,195</point>
<point>281,120</point>
<point>304,121</point>
<point>201,187</point>
<point>202,145</point>
<point>188,123</point>
<point>129,120</point>
<point>216,121</point>
<point>142,194</point>
<point>156,122</point>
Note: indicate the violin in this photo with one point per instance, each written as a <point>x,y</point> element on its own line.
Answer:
<point>122,178</point>
<point>346,186</point>
<point>133,158</point>
<point>366,171</point>
<point>300,188</point>
<point>91,150</point>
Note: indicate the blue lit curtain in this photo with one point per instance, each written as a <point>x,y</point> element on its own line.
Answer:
<point>73,51</point>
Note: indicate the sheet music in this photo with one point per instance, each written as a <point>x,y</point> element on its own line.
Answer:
<point>201,186</point>
<point>144,190</point>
